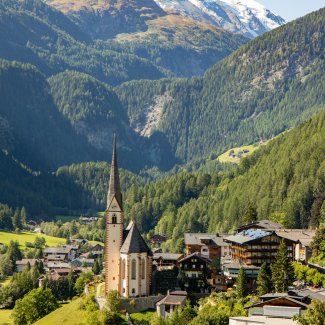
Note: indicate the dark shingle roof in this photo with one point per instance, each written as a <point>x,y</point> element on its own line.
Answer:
<point>134,243</point>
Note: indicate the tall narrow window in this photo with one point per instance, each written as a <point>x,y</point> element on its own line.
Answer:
<point>143,268</point>
<point>123,269</point>
<point>134,269</point>
<point>114,219</point>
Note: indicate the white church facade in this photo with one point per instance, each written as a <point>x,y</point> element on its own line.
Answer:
<point>128,259</point>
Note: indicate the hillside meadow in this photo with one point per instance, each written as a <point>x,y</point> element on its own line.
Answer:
<point>23,237</point>
<point>68,314</point>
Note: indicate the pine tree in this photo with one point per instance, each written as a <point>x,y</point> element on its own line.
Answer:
<point>35,275</point>
<point>250,214</point>
<point>16,219</point>
<point>23,216</point>
<point>242,289</point>
<point>96,268</point>
<point>282,269</point>
<point>264,283</point>
<point>71,284</point>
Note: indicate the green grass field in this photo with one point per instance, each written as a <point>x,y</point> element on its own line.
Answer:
<point>6,280</point>
<point>225,158</point>
<point>68,314</point>
<point>142,318</point>
<point>6,237</point>
<point>5,316</point>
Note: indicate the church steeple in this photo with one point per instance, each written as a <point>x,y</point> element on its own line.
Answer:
<point>114,188</point>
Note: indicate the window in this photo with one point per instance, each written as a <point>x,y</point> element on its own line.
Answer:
<point>123,269</point>
<point>133,291</point>
<point>114,218</point>
<point>193,266</point>
<point>134,270</point>
<point>143,268</point>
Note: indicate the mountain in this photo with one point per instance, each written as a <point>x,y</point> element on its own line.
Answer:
<point>283,180</point>
<point>94,111</point>
<point>33,32</point>
<point>186,47</point>
<point>106,19</point>
<point>264,88</point>
<point>133,27</point>
<point>247,17</point>
<point>34,131</point>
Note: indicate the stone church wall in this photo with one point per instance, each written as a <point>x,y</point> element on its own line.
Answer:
<point>135,305</point>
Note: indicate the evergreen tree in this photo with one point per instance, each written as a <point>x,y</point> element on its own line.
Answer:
<point>40,266</point>
<point>242,288</point>
<point>5,217</point>
<point>71,285</point>
<point>16,219</point>
<point>35,275</point>
<point>250,214</point>
<point>14,252</point>
<point>318,242</point>
<point>264,283</point>
<point>39,253</point>
<point>181,278</point>
<point>23,216</point>
<point>282,269</point>
<point>96,268</point>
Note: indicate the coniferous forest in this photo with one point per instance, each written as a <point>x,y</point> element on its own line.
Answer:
<point>59,108</point>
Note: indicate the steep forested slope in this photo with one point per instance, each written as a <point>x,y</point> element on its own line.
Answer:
<point>94,111</point>
<point>283,181</point>
<point>32,32</point>
<point>267,86</point>
<point>33,129</point>
<point>75,189</point>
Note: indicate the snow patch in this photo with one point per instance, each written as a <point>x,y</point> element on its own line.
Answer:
<point>240,16</point>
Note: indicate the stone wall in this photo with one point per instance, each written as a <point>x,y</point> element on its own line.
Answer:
<point>135,305</point>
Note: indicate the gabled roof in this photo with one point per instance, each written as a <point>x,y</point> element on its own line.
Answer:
<point>196,255</point>
<point>114,188</point>
<point>198,238</point>
<point>279,301</point>
<point>167,256</point>
<point>134,243</point>
<point>265,224</point>
<point>305,236</point>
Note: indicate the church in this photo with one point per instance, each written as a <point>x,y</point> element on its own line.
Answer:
<point>128,259</point>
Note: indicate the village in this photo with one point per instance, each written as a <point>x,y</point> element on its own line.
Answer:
<point>146,277</point>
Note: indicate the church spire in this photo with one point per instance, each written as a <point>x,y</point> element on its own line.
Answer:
<point>114,188</point>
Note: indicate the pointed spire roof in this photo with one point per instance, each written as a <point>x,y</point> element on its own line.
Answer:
<point>134,243</point>
<point>114,188</point>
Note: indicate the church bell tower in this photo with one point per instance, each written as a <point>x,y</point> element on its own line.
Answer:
<point>114,228</point>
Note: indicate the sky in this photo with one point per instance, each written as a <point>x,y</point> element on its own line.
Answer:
<point>292,9</point>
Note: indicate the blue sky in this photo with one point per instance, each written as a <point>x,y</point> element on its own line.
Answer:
<point>291,9</point>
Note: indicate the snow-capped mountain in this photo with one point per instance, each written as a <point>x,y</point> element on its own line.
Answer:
<point>239,16</point>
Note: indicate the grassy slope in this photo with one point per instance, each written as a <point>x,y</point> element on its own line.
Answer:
<point>68,314</point>
<point>142,318</point>
<point>5,316</point>
<point>226,158</point>
<point>6,237</point>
